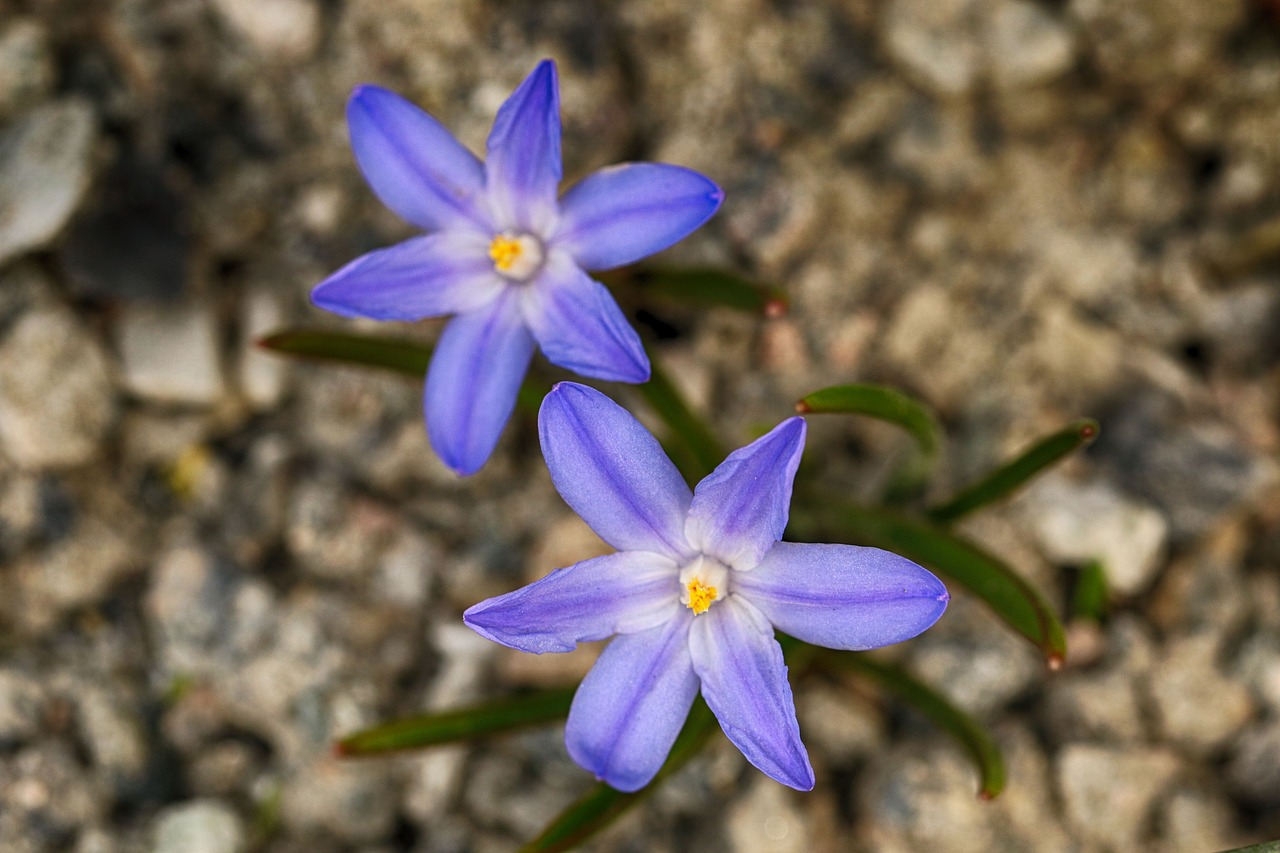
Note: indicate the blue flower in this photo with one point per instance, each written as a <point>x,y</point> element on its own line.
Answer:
<point>503,254</point>
<point>695,591</point>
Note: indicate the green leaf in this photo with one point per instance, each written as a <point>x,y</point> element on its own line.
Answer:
<point>489,718</point>
<point>1090,598</point>
<point>709,288</point>
<point>698,451</point>
<point>1007,593</point>
<point>877,401</point>
<point>403,356</point>
<point>1008,477</point>
<point>602,805</point>
<point>1264,847</point>
<point>972,736</point>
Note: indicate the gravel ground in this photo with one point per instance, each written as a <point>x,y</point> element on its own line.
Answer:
<point>213,562</point>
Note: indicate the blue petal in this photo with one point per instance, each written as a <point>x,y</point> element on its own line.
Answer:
<point>579,326</point>
<point>740,510</point>
<point>843,596</point>
<point>744,681</point>
<point>613,472</point>
<point>632,704</point>
<point>627,212</point>
<point>429,276</point>
<point>414,164</point>
<point>472,382</point>
<point>523,163</point>
<point>618,594</point>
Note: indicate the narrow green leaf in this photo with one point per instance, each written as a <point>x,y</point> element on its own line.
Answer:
<point>602,805</point>
<point>972,736</point>
<point>877,401</point>
<point>403,356</point>
<point>1264,847</point>
<point>708,288</point>
<point>1011,597</point>
<point>1090,598</point>
<point>489,718</point>
<point>396,354</point>
<point>1008,477</point>
<point>699,451</point>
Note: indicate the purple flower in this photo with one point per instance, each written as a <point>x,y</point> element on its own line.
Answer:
<point>503,254</point>
<point>695,591</point>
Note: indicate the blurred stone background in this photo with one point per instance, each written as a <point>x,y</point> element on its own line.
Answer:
<point>213,562</point>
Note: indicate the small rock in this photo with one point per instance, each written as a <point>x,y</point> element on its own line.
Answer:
<point>933,41</point>
<point>110,731</point>
<point>1077,522</point>
<point>1197,708</point>
<point>1109,793</point>
<point>187,605</point>
<point>1026,45</point>
<point>281,30</point>
<point>766,820</point>
<point>1095,707</point>
<point>1197,819</point>
<point>44,173</point>
<point>434,781</point>
<point>27,63</point>
<point>335,534</point>
<point>1253,773</point>
<point>1196,470</point>
<point>351,801</point>
<point>199,826</point>
<point>262,374</point>
<point>57,397</point>
<point>21,701</point>
<point>169,353</point>
<point>839,727</point>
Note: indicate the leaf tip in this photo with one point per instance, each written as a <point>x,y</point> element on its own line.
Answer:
<point>775,307</point>
<point>986,795</point>
<point>1055,661</point>
<point>1088,430</point>
<point>341,749</point>
<point>803,407</point>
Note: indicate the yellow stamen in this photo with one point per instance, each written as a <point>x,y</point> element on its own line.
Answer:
<point>505,251</point>
<point>700,596</point>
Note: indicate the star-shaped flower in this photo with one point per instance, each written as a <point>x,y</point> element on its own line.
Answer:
<point>695,591</point>
<point>503,254</point>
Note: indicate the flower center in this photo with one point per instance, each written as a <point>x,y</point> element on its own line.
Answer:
<point>703,582</point>
<point>516,256</point>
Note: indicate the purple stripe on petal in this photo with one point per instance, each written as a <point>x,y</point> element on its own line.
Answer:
<point>523,163</point>
<point>744,681</point>
<point>444,273</point>
<point>579,326</point>
<point>740,510</point>
<point>613,472</point>
<point>475,373</point>
<point>632,704</point>
<point>617,594</point>
<point>843,596</point>
<point>414,164</point>
<point>623,213</point>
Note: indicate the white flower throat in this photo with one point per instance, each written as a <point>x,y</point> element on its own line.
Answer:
<point>703,582</point>
<point>516,256</point>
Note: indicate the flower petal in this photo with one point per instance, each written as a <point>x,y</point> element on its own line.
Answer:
<point>414,164</point>
<point>627,212</point>
<point>429,276</point>
<point>580,327</point>
<point>744,681</point>
<point>617,594</point>
<point>477,368</point>
<point>740,510</point>
<point>632,704</point>
<point>523,164</point>
<point>613,472</point>
<point>843,596</point>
